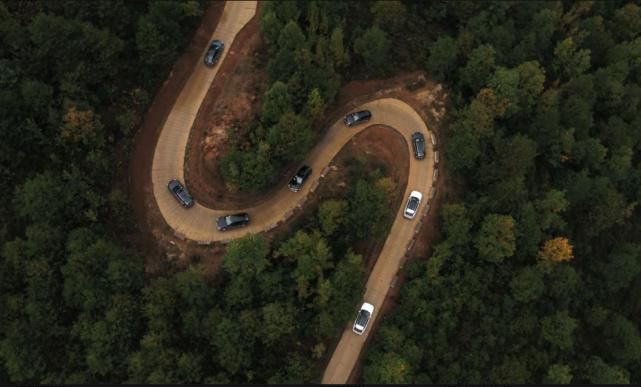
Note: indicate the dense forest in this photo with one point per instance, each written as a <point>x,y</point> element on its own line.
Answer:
<point>77,306</point>
<point>537,278</point>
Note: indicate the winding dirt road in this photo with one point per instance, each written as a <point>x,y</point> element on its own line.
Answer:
<point>198,223</point>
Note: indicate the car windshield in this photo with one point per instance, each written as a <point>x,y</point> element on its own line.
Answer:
<point>413,204</point>
<point>362,318</point>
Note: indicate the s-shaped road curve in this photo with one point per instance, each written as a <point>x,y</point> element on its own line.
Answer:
<point>198,223</point>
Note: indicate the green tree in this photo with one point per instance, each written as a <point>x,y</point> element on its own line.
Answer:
<point>623,340</point>
<point>270,25</point>
<point>599,372</point>
<point>247,256</point>
<point>346,286</point>
<point>109,339</point>
<point>311,256</point>
<point>479,67</point>
<point>622,267</point>
<point>457,225</point>
<point>558,374</point>
<point>339,52</point>
<point>527,285</point>
<point>442,58</point>
<point>511,370</point>
<point>155,48</point>
<point>315,104</point>
<point>291,38</point>
<point>531,84</point>
<point>331,215</point>
<point>569,61</point>
<point>463,149</point>
<point>279,322</point>
<point>368,213</point>
<point>290,138</point>
<point>276,102</point>
<point>374,47</point>
<point>496,240</point>
<point>389,368</point>
<point>626,24</point>
<point>389,15</point>
<point>558,330</point>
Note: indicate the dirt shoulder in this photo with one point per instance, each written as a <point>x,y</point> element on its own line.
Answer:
<point>153,120</point>
<point>233,100</point>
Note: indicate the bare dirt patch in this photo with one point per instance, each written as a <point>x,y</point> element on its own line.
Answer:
<point>233,100</point>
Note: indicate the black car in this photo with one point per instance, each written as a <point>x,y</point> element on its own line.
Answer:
<point>180,193</point>
<point>297,181</point>
<point>213,54</point>
<point>227,222</point>
<point>357,117</point>
<point>418,141</point>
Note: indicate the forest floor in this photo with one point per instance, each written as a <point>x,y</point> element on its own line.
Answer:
<point>233,100</point>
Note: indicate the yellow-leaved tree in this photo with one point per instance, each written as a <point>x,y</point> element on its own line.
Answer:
<point>556,250</point>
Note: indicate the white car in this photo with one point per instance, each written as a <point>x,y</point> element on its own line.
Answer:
<point>362,318</point>
<point>412,204</point>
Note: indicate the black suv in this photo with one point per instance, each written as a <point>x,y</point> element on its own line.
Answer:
<point>297,181</point>
<point>180,193</point>
<point>419,145</point>
<point>226,222</point>
<point>215,49</point>
<point>357,117</point>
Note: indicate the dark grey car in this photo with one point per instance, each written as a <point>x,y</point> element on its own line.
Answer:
<point>227,222</point>
<point>213,54</point>
<point>418,142</point>
<point>297,181</point>
<point>356,117</point>
<point>180,193</point>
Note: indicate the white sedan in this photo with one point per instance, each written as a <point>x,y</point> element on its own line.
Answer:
<point>412,204</point>
<point>362,318</point>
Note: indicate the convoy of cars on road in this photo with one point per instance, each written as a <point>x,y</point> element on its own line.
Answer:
<point>228,222</point>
